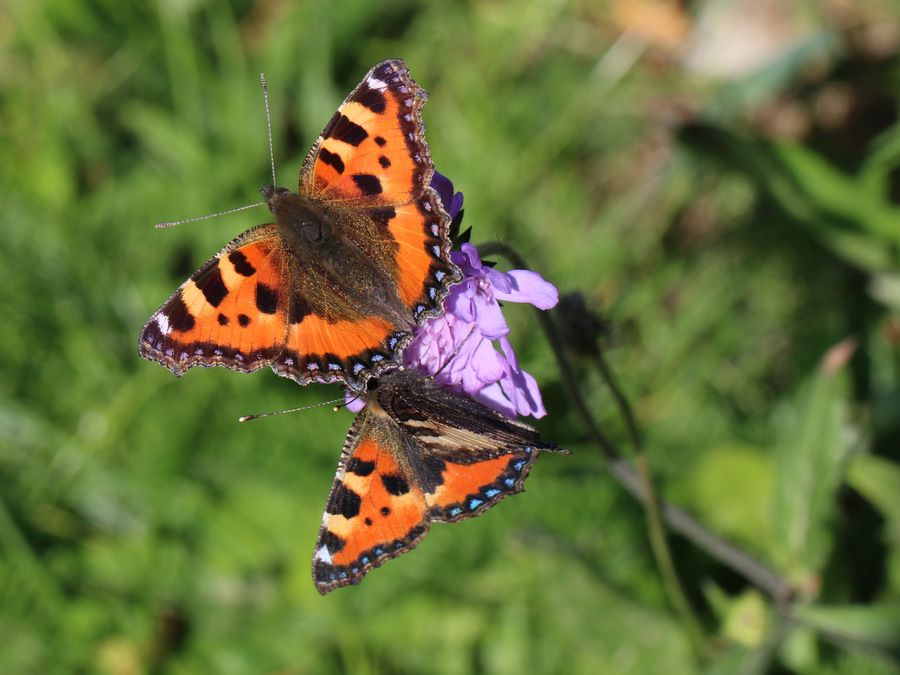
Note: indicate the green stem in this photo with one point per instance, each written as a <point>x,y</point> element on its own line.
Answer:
<point>655,530</point>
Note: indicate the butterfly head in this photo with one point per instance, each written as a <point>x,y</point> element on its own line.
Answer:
<point>273,194</point>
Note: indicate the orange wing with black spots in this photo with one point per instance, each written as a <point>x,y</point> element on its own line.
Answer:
<point>417,453</point>
<point>373,150</point>
<point>360,256</point>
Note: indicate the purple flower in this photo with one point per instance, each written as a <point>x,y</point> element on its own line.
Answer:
<point>471,322</point>
<point>451,202</point>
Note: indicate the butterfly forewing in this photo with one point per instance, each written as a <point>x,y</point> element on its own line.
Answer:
<point>374,511</point>
<point>373,150</point>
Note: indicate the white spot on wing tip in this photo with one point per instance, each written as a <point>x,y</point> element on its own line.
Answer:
<point>163,322</point>
<point>323,555</point>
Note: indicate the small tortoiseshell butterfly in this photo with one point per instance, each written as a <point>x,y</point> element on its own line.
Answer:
<point>418,453</point>
<point>354,261</point>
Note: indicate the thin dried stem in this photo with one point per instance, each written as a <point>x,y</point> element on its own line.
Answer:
<point>637,482</point>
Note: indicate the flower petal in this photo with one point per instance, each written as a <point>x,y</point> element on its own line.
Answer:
<point>493,397</point>
<point>530,287</point>
<point>451,202</point>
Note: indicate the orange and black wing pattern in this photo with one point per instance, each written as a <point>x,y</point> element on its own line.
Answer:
<point>418,453</point>
<point>231,312</point>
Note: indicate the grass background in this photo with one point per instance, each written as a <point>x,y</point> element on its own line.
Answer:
<point>717,180</point>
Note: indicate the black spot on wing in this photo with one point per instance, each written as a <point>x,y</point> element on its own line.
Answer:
<point>383,215</point>
<point>381,142</point>
<point>180,318</point>
<point>349,132</point>
<point>394,484</point>
<point>345,503</point>
<point>332,159</point>
<point>359,467</point>
<point>430,471</point>
<point>332,542</point>
<point>299,310</point>
<point>244,320</point>
<point>212,287</point>
<point>373,99</point>
<point>223,320</point>
<point>385,71</point>
<point>241,265</point>
<point>266,299</point>
<point>384,161</point>
<point>367,183</point>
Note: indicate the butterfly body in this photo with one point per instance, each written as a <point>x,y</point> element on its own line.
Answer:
<point>355,266</point>
<point>355,260</point>
<point>417,453</point>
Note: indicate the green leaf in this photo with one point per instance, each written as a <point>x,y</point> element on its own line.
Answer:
<point>852,216</point>
<point>878,480</point>
<point>839,194</point>
<point>732,487</point>
<point>748,622</point>
<point>810,464</point>
<point>872,625</point>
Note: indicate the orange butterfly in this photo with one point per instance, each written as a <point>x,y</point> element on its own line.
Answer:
<point>417,453</point>
<point>354,261</point>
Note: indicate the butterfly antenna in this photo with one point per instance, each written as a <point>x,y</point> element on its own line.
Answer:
<point>262,81</point>
<point>339,401</point>
<point>211,215</point>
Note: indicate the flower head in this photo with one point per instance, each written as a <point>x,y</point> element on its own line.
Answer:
<point>472,321</point>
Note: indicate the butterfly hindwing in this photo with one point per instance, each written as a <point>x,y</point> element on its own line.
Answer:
<point>418,453</point>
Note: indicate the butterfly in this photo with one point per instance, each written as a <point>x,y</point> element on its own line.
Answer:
<point>417,454</point>
<point>356,258</point>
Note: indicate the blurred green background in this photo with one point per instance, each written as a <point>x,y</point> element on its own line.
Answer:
<point>718,181</point>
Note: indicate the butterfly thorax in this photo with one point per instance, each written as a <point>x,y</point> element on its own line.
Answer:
<point>344,261</point>
<point>302,221</point>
